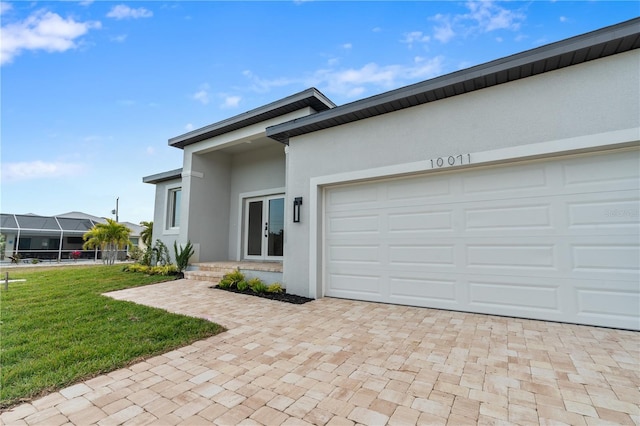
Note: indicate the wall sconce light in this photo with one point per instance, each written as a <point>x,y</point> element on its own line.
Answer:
<point>297,202</point>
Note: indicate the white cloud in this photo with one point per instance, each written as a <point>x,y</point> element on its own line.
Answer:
<point>86,2</point>
<point>563,19</point>
<point>521,37</point>
<point>42,30</point>
<point>202,95</point>
<point>347,46</point>
<point>355,82</point>
<point>188,127</point>
<point>482,17</point>
<point>119,39</point>
<point>262,85</point>
<point>40,170</point>
<point>490,17</point>
<point>122,11</point>
<point>150,150</point>
<point>231,102</point>
<point>415,37</point>
<point>5,7</point>
<point>444,31</point>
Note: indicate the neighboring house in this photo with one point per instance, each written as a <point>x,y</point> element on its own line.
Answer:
<point>136,229</point>
<point>134,237</point>
<point>51,237</point>
<point>509,188</point>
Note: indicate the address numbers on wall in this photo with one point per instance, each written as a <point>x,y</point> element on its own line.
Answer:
<point>451,160</point>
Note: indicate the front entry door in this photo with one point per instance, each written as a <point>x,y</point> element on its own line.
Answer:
<point>264,228</point>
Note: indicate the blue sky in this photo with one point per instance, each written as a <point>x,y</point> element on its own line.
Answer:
<point>92,90</point>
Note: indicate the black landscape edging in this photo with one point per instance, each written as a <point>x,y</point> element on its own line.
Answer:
<point>280,297</point>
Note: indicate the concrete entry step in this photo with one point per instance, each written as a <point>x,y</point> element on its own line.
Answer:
<point>214,271</point>
<point>212,276</point>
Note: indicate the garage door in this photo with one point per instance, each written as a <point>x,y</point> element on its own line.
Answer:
<point>554,239</point>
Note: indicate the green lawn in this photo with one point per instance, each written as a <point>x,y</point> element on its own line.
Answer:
<point>57,329</point>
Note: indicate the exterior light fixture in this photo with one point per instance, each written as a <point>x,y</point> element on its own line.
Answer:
<point>297,202</point>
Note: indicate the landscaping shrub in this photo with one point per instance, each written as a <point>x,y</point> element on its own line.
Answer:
<point>235,277</point>
<point>275,288</point>
<point>136,267</point>
<point>231,280</point>
<point>183,254</point>
<point>165,270</point>
<point>225,283</point>
<point>135,253</point>
<point>257,286</point>
<point>158,254</point>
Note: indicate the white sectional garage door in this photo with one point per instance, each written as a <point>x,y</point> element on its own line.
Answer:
<point>555,239</point>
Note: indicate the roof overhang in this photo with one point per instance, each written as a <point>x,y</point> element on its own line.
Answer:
<point>164,176</point>
<point>308,98</point>
<point>576,50</point>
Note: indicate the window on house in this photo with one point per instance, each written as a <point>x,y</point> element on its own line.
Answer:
<point>174,207</point>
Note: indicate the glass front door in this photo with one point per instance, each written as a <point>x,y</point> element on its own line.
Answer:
<point>264,228</point>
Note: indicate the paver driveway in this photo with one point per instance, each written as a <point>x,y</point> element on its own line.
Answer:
<point>343,362</point>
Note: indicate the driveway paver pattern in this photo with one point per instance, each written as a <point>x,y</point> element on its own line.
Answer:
<point>341,362</point>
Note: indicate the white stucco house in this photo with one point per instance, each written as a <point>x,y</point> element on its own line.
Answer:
<point>509,188</point>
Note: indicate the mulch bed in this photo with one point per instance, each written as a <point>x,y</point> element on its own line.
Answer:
<point>280,297</point>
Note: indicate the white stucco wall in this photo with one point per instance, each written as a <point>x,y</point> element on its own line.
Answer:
<point>205,204</point>
<point>592,98</point>
<point>160,231</point>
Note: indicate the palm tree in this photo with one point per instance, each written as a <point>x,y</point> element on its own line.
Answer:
<point>110,237</point>
<point>147,233</point>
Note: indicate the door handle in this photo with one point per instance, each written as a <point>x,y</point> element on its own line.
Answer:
<point>266,229</point>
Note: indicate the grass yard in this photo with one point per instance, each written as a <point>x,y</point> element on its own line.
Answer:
<point>57,329</point>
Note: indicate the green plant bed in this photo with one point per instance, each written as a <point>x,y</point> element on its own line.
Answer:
<point>235,283</point>
<point>280,297</point>
<point>58,329</point>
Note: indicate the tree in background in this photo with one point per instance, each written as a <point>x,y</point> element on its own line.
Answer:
<point>147,233</point>
<point>110,237</point>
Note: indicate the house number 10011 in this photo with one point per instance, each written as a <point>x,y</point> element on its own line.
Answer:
<point>451,160</point>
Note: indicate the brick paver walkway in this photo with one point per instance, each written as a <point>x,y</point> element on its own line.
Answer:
<point>341,362</point>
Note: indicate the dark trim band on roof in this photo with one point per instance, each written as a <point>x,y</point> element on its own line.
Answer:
<point>308,98</point>
<point>572,51</point>
<point>164,176</point>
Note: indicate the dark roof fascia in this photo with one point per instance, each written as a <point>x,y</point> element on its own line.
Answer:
<point>164,176</point>
<point>607,41</point>
<point>311,97</point>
